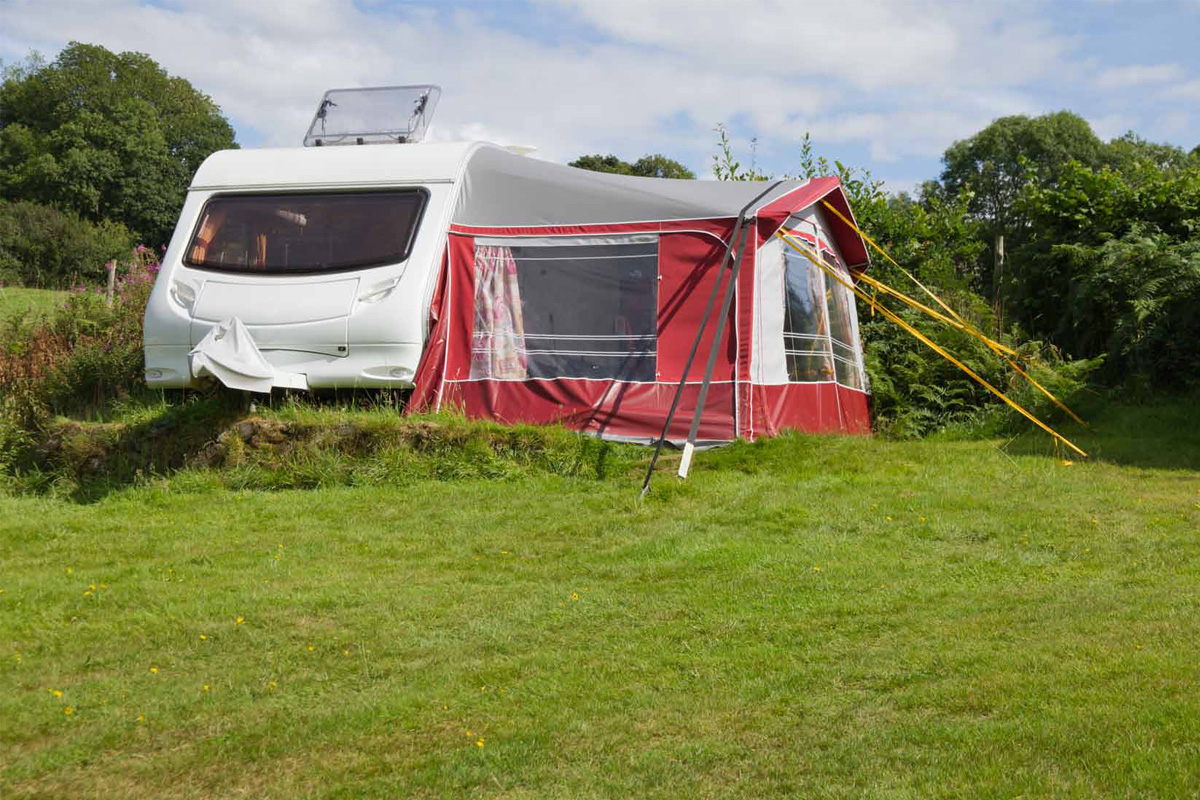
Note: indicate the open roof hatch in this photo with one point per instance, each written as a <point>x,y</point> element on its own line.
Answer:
<point>373,115</point>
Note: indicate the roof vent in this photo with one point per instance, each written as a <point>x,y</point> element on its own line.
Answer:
<point>373,115</point>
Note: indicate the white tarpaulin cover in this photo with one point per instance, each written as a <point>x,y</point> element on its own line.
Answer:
<point>228,353</point>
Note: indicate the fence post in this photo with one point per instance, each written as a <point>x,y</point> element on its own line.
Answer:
<point>112,283</point>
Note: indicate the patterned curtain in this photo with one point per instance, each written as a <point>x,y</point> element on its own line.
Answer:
<point>498,344</point>
<point>208,229</point>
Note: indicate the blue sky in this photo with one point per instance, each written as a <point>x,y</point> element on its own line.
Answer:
<point>885,84</point>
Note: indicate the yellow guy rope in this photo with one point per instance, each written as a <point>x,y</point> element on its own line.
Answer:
<point>892,316</point>
<point>959,322</point>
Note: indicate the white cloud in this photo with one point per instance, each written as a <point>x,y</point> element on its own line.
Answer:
<point>1111,126</point>
<point>1189,90</point>
<point>1138,75</point>
<point>898,79</point>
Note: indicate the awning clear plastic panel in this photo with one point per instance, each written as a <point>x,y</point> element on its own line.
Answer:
<point>569,309</point>
<point>373,115</point>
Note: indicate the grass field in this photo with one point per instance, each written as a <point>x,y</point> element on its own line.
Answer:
<point>15,300</point>
<point>806,617</point>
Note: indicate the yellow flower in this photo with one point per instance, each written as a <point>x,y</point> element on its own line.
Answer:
<point>345,652</point>
<point>469,733</point>
<point>1066,462</point>
<point>239,620</point>
<point>271,686</point>
<point>141,717</point>
<point>68,570</point>
<point>479,743</point>
<point>104,586</point>
<point>56,692</point>
<point>69,710</point>
<point>87,593</point>
<point>204,687</point>
<point>92,586</point>
<point>889,519</point>
<point>203,637</point>
<point>922,519</point>
<point>154,670</point>
<point>311,648</point>
<point>574,595</point>
<point>816,568</point>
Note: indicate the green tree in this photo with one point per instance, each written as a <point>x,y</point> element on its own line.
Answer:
<point>651,166</point>
<point>106,136</point>
<point>994,165</point>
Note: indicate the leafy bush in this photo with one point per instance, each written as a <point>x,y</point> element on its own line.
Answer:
<point>81,360</point>
<point>43,247</point>
<point>1112,266</point>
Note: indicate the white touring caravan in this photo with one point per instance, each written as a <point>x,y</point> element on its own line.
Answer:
<point>313,266</point>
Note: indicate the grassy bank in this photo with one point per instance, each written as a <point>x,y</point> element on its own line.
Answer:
<point>815,617</point>
<point>16,300</point>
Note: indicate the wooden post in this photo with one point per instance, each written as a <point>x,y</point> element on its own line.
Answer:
<point>112,283</point>
<point>997,284</point>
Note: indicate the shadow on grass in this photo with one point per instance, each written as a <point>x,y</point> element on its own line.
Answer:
<point>1161,435</point>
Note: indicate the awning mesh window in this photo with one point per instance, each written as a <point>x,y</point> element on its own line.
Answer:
<point>576,308</point>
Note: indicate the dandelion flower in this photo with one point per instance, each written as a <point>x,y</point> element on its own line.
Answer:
<point>87,593</point>
<point>479,743</point>
<point>141,717</point>
<point>271,686</point>
<point>889,519</point>
<point>239,620</point>
<point>311,648</point>
<point>816,568</point>
<point>68,570</point>
<point>92,586</point>
<point>69,710</point>
<point>204,637</point>
<point>154,670</point>
<point>574,595</point>
<point>204,687</point>
<point>469,733</point>
<point>1066,462</point>
<point>345,652</point>
<point>56,692</point>
<point>922,519</point>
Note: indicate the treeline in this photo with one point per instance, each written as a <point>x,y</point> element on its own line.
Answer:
<point>96,153</point>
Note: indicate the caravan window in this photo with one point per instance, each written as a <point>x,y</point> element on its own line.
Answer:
<point>574,308</point>
<point>282,233</point>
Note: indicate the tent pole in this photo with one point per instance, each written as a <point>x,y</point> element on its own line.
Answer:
<point>730,288</point>
<point>712,297</point>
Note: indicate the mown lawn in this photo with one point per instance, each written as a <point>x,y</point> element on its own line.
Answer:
<point>15,300</point>
<point>809,617</point>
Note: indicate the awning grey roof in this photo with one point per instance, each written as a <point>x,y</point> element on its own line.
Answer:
<point>504,189</point>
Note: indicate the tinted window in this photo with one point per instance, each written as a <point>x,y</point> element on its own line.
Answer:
<point>305,232</point>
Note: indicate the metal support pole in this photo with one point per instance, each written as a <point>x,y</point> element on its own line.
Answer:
<point>737,229</point>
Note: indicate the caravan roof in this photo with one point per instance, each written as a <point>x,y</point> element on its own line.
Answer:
<point>501,188</point>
